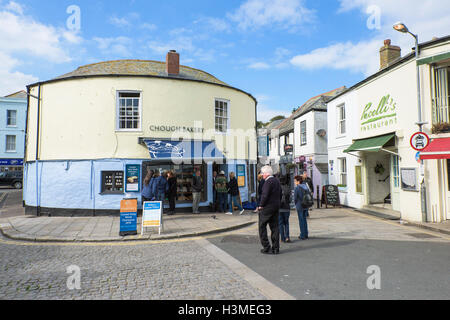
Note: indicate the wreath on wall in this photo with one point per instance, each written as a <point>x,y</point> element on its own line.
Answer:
<point>379,169</point>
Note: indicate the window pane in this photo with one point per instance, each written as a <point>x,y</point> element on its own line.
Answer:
<point>358,178</point>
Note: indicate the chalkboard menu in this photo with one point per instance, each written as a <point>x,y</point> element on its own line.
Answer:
<point>330,196</point>
<point>112,182</point>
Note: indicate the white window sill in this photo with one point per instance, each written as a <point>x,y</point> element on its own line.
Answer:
<point>10,151</point>
<point>129,131</point>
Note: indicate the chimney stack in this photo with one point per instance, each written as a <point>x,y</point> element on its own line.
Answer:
<point>388,54</point>
<point>173,63</point>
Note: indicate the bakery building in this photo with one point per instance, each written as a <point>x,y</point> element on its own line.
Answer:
<point>370,127</point>
<point>93,134</point>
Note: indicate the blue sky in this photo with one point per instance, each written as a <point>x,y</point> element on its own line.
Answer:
<point>281,51</point>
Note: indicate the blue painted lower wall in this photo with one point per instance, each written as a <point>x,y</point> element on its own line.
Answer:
<point>77,184</point>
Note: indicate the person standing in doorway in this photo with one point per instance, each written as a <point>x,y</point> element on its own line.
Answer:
<point>234,194</point>
<point>197,188</point>
<point>285,209</point>
<point>222,191</point>
<point>269,212</point>
<point>299,193</point>
<point>172,192</point>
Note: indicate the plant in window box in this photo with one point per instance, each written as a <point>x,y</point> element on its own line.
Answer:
<point>441,127</point>
<point>342,186</point>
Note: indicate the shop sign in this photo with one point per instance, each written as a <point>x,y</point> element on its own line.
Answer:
<point>152,215</point>
<point>11,162</point>
<point>132,178</point>
<point>288,148</point>
<point>409,179</point>
<point>240,168</point>
<point>128,217</point>
<point>384,115</point>
<point>419,141</point>
<point>165,128</point>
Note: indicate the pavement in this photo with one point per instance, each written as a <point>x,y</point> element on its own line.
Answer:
<point>97,229</point>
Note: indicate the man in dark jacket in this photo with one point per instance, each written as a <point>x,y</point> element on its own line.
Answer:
<point>269,211</point>
<point>234,194</point>
<point>172,193</point>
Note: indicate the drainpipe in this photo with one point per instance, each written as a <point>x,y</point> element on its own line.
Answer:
<point>37,152</point>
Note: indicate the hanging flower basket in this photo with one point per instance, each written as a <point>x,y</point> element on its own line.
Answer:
<point>379,169</point>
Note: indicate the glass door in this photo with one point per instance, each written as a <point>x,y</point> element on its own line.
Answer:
<point>395,183</point>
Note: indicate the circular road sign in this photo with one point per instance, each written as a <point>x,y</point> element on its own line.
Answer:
<point>420,141</point>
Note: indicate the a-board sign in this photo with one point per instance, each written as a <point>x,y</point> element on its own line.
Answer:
<point>330,196</point>
<point>152,215</point>
<point>128,217</point>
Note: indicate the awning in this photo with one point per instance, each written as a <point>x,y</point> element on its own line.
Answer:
<point>371,144</point>
<point>182,150</point>
<point>434,59</point>
<point>437,149</point>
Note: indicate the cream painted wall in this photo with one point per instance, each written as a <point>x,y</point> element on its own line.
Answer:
<point>78,117</point>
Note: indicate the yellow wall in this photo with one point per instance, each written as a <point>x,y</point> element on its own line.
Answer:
<point>78,117</point>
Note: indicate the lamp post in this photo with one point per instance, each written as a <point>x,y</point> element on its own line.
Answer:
<point>401,27</point>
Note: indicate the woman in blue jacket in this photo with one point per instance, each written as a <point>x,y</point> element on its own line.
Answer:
<point>147,194</point>
<point>302,212</point>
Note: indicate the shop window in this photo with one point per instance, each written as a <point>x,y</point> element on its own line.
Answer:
<point>222,116</point>
<point>11,118</point>
<point>303,133</point>
<point>112,182</point>
<point>358,178</point>
<point>129,111</point>
<point>341,118</point>
<point>10,143</point>
<point>184,174</point>
<point>441,100</point>
<point>343,172</point>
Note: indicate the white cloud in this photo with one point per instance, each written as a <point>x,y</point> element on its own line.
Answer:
<point>259,66</point>
<point>148,26</point>
<point>117,46</point>
<point>265,112</point>
<point>427,18</point>
<point>284,14</point>
<point>214,24</point>
<point>26,39</point>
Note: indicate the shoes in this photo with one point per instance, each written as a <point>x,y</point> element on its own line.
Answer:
<point>266,251</point>
<point>275,251</point>
<point>303,238</point>
<point>229,213</point>
<point>288,241</point>
<point>240,213</point>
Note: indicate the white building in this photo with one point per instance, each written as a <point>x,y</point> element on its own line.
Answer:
<point>370,127</point>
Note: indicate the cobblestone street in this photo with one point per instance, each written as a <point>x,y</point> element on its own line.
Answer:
<point>172,271</point>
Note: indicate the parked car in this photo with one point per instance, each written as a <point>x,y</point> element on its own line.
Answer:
<point>11,178</point>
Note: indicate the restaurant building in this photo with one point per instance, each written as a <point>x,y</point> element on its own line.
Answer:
<point>93,134</point>
<point>370,128</point>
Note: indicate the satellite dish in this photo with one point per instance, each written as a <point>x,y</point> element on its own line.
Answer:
<point>321,133</point>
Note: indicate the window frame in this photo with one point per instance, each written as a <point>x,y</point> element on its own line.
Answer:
<point>341,111</point>
<point>343,173</point>
<point>8,118</point>
<point>303,134</point>
<point>113,173</point>
<point>360,182</point>
<point>6,143</point>
<point>118,129</point>
<point>216,100</point>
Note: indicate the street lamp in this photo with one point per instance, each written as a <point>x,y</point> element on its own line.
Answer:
<point>401,27</point>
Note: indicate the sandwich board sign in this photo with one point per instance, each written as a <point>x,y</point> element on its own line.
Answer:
<point>152,215</point>
<point>128,217</point>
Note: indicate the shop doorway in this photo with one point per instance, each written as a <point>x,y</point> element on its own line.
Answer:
<point>378,166</point>
<point>395,182</point>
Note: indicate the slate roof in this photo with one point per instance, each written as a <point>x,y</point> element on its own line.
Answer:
<point>17,95</point>
<point>317,102</point>
<point>139,68</point>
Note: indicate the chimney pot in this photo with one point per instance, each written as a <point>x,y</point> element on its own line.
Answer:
<point>388,54</point>
<point>173,63</point>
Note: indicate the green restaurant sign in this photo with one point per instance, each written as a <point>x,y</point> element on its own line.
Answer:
<point>382,116</point>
